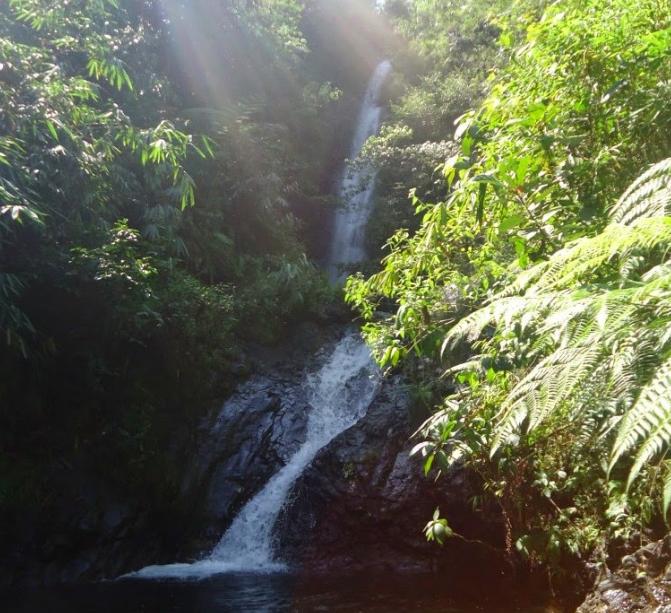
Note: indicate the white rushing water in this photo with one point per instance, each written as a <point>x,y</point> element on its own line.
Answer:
<point>356,190</point>
<point>339,393</point>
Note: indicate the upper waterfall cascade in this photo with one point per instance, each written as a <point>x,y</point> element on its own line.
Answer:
<point>356,189</point>
<point>340,392</point>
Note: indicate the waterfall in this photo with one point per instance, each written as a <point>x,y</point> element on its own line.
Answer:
<point>356,189</point>
<point>339,393</point>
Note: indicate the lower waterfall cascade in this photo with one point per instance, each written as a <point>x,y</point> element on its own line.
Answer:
<point>339,393</point>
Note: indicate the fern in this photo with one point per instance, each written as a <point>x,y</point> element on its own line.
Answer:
<point>589,256</point>
<point>595,324</point>
<point>648,196</point>
<point>543,390</point>
<point>471,327</point>
<point>666,487</point>
<point>647,424</point>
<point>585,257</point>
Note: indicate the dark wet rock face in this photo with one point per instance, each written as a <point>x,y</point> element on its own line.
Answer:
<point>97,536</point>
<point>96,533</point>
<point>363,502</point>
<point>253,436</point>
<point>641,584</point>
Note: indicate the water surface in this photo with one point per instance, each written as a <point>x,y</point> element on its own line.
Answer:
<point>242,593</point>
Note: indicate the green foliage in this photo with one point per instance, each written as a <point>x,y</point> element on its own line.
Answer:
<point>442,73</point>
<point>438,529</point>
<point>124,305</point>
<point>583,343</point>
<point>284,291</point>
<point>65,131</point>
<point>533,297</point>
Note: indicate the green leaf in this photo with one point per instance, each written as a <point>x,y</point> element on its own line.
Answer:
<point>510,222</point>
<point>52,129</point>
<point>482,191</point>
<point>428,464</point>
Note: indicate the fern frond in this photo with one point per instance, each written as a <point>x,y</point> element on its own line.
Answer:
<point>474,364</point>
<point>630,266</point>
<point>471,327</point>
<point>647,423</point>
<point>594,323</point>
<point>563,315</point>
<point>665,337</point>
<point>666,488</point>
<point>577,316</point>
<point>648,196</point>
<point>631,355</point>
<point>661,271</point>
<point>578,261</point>
<point>655,443</point>
<point>587,256</point>
<point>524,280</point>
<point>543,390</point>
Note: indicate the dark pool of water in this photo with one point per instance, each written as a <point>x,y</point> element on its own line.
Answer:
<point>256,594</point>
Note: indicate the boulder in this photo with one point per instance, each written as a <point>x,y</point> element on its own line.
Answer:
<point>255,433</point>
<point>362,504</point>
<point>641,584</point>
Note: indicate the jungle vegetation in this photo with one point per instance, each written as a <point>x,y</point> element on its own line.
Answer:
<point>526,291</point>
<point>165,170</point>
<point>164,174</point>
